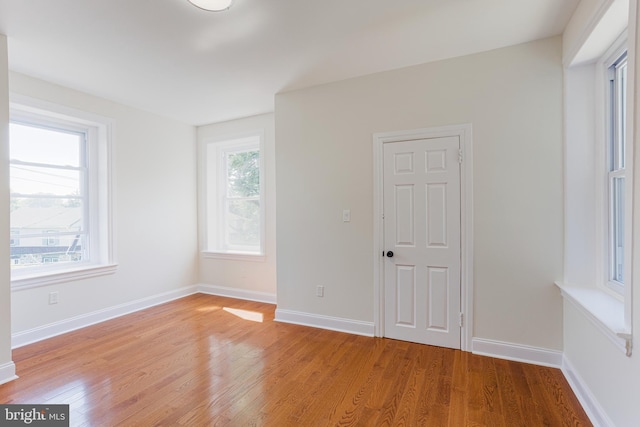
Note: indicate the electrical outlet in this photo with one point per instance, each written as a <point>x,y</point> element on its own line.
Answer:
<point>320,291</point>
<point>346,215</point>
<point>53,298</point>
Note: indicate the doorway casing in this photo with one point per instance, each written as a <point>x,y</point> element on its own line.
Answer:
<point>464,132</point>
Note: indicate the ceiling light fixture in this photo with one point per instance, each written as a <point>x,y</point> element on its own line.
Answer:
<point>212,5</point>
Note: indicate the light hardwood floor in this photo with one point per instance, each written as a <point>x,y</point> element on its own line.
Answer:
<point>198,362</point>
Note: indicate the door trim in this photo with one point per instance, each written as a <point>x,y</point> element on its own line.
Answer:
<point>464,132</point>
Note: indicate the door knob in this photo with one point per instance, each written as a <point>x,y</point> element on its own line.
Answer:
<point>390,254</point>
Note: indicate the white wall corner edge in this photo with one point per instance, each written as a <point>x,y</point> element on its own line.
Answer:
<point>7,372</point>
<point>517,352</point>
<point>245,294</point>
<point>594,410</point>
<point>339,324</point>
<point>22,338</point>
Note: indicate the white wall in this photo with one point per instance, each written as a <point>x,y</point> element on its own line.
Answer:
<point>610,377</point>
<point>580,179</point>
<point>578,45</point>
<point>7,369</point>
<point>155,211</point>
<point>247,276</point>
<point>513,99</point>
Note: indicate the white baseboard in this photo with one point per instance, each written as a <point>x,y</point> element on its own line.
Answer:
<point>7,372</point>
<point>20,339</point>
<point>595,412</point>
<point>245,294</point>
<point>517,352</point>
<point>339,324</point>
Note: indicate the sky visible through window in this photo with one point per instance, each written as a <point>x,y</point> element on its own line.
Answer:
<point>37,145</point>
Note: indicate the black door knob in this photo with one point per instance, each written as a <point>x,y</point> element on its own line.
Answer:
<point>390,254</point>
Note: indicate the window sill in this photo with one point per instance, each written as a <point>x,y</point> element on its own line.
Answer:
<point>52,278</point>
<point>603,310</point>
<point>236,256</point>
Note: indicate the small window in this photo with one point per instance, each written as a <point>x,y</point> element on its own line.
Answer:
<point>15,239</point>
<point>59,181</point>
<point>51,238</point>
<point>234,196</point>
<point>616,170</point>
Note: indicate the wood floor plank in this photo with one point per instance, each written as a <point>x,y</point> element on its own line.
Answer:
<point>458,404</point>
<point>508,396</point>
<point>199,361</point>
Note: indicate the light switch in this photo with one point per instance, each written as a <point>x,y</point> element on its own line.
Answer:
<point>346,215</point>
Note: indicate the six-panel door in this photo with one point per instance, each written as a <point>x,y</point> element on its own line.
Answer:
<point>422,229</point>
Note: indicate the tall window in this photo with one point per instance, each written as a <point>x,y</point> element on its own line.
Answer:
<point>59,182</point>
<point>234,196</point>
<point>616,153</point>
<point>48,171</point>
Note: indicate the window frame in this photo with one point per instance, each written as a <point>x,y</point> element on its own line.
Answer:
<point>621,294</point>
<point>585,132</point>
<point>616,168</point>
<point>212,194</point>
<point>98,131</point>
<point>14,238</point>
<point>603,133</point>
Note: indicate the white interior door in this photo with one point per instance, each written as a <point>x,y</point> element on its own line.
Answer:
<point>421,197</point>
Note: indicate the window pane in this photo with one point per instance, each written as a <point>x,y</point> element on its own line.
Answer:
<point>243,223</point>
<point>47,200</point>
<point>233,190</point>
<point>46,231</point>
<point>243,174</point>
<point>38,180</point>
<point>621,115</point>
<point>50,146</point>
<point>37,216</point>
<point>617,230</point>
<point>39,251</point>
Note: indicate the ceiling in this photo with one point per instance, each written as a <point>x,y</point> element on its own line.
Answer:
<point>170,58</point>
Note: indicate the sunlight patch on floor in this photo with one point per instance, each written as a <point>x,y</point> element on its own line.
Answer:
<point>208,308</point>
<point>253,316</point>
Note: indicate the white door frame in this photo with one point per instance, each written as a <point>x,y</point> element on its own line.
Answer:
<point>464,132</point>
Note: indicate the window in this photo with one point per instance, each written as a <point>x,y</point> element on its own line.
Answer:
<point>59,181</point>
<point>599,176</point>
<point>51,239</point>
<point>234,197</point>
<point>616,165</point>
<point>15,239</point>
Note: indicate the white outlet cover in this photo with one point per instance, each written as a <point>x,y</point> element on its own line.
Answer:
<point>53,297</point>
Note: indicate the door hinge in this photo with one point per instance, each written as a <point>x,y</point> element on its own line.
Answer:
<point>461,320</point>
<point>460,156</point>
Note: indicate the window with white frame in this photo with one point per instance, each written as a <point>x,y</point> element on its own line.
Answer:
<point>15,238</point>
<point>59,189</point>
<point>616,170</point>
<point>599,127</point>
<point>234,188</point>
